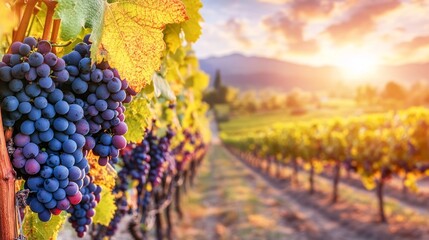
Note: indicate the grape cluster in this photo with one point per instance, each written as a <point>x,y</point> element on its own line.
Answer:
<point>102,94</point>
<point>49,126</point>
<point>160,156</point>
<point>61,108</point>
<point>145,163</point>
<point>135,160</point>
<point>82,213</point>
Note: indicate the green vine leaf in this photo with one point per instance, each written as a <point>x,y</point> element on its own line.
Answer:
<point>76,15</point>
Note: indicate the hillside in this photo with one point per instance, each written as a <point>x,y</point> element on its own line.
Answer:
<point>258,72</point>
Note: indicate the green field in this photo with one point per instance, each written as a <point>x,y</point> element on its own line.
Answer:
<point>260,120</point>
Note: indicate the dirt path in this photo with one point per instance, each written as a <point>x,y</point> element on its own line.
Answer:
<point>231,201</point>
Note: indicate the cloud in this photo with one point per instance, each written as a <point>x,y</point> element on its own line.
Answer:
<point>275,1</point>
<point>290,31</point>
<point>360,21</point>
<point>304,47</point>
<point>237,29</point>
<point>414,45</point>
<point>310,9</point>
<point>317,31</point>
<point>282,23</point>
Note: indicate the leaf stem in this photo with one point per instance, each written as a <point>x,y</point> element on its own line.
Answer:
<point>62,45</point>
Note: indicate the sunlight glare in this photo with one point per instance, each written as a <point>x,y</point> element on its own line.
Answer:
<point>356,64</point>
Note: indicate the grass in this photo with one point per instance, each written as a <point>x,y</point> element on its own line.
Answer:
<point>394,209</point>
<point>261,120</point>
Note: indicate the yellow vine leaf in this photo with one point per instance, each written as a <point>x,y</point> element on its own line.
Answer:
<point>368,182</point>
<point>133,36</point>
<point>172,37</point>
<point>39,230</point>
<point>103,176</point>
<point>138,117</point>
<point>105,209</point>
<point>192,27</point>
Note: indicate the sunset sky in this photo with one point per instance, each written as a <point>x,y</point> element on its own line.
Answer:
<point>318,32</point>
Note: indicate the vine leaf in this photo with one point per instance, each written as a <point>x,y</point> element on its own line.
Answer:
<point>162,88</point>
<point>39,230</point>
<point>138,117</point>
<point>104,176</point>
<point>128,33</point>
<point>172,37</point>
<point>199,81</point>
<point>78,14</point>
<point>192,27</point>
<point>133,36</point>
<point>105,209</point>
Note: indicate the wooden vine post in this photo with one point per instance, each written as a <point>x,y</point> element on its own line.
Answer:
<point>8,229</point>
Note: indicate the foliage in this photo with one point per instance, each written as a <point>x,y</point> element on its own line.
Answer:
<point>393,91</point>
<point>106,208</point>
<point>376,146</point>
<point>132,36</point>
<point>39,230</point>
<point>220,94</point>
<point>76,15</point>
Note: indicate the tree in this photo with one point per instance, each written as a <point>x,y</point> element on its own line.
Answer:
<point>220,94</point>
<point>393,91</point>
<point>366,94</point>
<point>294,99</point>
<point>218,81</point>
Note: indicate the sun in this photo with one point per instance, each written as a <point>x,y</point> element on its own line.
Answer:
<point>357,64</point>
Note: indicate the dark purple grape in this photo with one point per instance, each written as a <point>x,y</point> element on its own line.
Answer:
<point>44,47</point>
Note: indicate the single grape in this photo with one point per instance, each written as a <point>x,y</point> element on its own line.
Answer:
<point>31,41</point>
<point>35,59</point>
<point>61,172</point>
<point>36,206</point>
<point>10,103</point>
<point>6,74</point>
<point>16,85</point>
<point>43,70</point>
<point>51,185</point>
<point>32,167</point>
<point>44,47</point>
<point>24,49</point>
<point>27,127</point>
<point>51,59</point>
<point>14,47</point>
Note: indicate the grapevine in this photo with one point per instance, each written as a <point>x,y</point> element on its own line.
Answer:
<point>374,146</point>
<point>63,106</point>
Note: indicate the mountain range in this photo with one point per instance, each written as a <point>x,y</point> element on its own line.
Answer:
<point>253,72</point>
